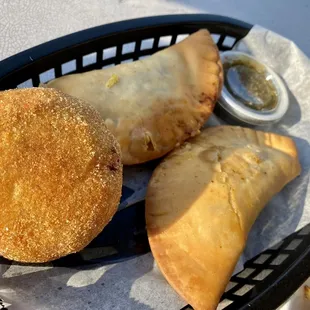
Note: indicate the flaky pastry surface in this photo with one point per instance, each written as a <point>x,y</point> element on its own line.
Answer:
<point>203,199</point>
<point>154,104</point>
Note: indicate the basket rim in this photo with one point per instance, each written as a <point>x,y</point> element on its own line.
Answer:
<point>23,58</point>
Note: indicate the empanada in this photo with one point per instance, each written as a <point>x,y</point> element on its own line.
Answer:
<point>203,199</point>
<point>154,104</point>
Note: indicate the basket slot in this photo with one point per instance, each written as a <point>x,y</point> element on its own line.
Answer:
<point>128,48</point>
<point>294,244</point>
<point>223,304</point>
<point>89,59</point>
<point>47,75</point>
<point>68,67</point>
<point>92,61</point>
<point>279,259</point>
<point>245,273</point>
<point>243,290</point>
<point>229,42</point>
<point>181,37</point>
<point>164,41</point>
<point>262,259</point>
<point>109,52</point>
<point>25,84</point>
<point>215,37</point>
<point>263,274</point>
<point>223,40</point>
<point>147,44</point>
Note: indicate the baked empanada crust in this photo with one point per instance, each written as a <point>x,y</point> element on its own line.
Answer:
<point>154,104</point>
<point>203,199</point>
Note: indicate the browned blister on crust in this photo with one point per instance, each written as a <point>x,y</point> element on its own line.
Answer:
<point>154,104</point>
<point>203,199</point>
<point>60,174</point>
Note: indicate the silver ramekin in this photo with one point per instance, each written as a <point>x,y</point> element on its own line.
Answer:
<point>237,112</point>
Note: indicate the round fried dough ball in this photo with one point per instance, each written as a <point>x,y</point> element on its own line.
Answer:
<point>60,174</point>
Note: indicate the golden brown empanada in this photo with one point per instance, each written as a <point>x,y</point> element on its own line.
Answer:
<point>156,103</point>
<point>203,199</point>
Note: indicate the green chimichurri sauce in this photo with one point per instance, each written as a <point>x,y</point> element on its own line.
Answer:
<point>247,81</point>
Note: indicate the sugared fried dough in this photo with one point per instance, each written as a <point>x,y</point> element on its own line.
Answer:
<point>60,174</point>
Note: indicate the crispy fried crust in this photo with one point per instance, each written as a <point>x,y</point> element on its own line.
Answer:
<point>154,104</point>
<point>60,174</point>
<point>203,199</point>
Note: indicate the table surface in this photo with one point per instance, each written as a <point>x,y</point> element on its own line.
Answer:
<point>26,23</point>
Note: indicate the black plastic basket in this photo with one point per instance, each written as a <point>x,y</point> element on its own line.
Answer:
<point>268,279</point>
